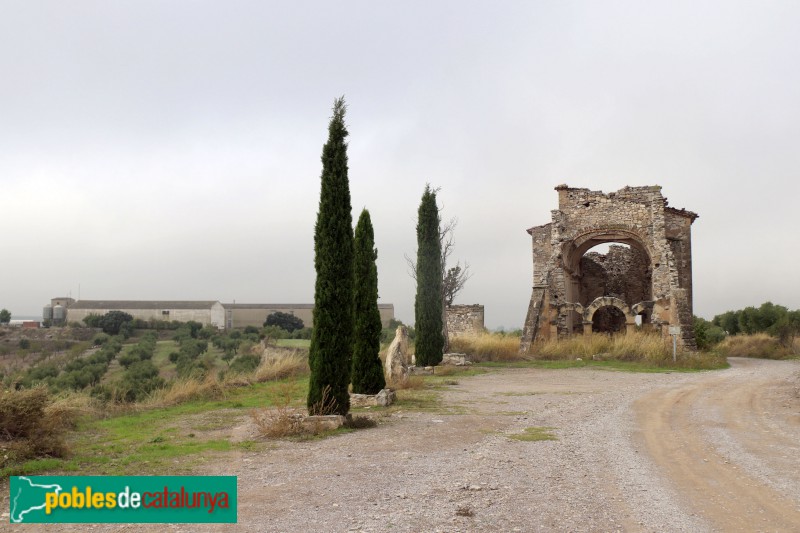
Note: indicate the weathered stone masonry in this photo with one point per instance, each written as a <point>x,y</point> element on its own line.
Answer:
<point>578,292</point>
<point>465,319</point>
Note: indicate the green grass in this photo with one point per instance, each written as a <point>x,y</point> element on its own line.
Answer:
<point>293,343</point>
<point>534,434</point>
<point>170,438</point>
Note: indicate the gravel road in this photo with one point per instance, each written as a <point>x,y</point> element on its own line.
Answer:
<point>710,451</point>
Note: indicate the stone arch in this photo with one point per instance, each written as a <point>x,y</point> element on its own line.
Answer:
<point>641,307</point>
<point>586,238</point>
<point>605,301</point>
<point>570,306</point>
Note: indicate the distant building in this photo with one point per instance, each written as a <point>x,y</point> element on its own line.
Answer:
<point>243,315</point>
<point>27,324</point>
<point>209,312</point>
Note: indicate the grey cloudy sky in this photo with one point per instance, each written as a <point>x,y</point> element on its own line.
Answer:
<point>170,149</point>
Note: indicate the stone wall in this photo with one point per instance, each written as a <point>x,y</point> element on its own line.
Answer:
<point>465,319</point>
<point>651,277</point>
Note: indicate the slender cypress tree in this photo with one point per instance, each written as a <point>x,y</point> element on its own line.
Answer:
<point>428,304</point>
<point>367,375</point>
<point>332,338</point>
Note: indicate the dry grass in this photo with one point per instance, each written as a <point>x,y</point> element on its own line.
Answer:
<point>279,364</point>
<point>758,345</point>
<point>276,364</point>
<point>69,406</point>
<point>488,347</point>
<point>407,382</point>
<point>638,346</point>
<point>283,420</point>
<point>186,390</point>
<point>28,428</point>
<point>635,346</point>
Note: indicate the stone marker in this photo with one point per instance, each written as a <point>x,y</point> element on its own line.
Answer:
<point>396,365</point>
<point>384,398</point>
<point>455,359</point>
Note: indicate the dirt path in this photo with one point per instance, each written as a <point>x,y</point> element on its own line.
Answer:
<point>714,451</point>
<point>731,444</point>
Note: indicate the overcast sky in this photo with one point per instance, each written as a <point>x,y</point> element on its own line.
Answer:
<point>171,149</point>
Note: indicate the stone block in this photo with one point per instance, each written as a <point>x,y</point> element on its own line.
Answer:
<point>384,398</point>
<point>318,423</point>
<point>455,359</point>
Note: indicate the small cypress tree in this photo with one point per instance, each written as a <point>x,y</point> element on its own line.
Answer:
<point>428,308</point>
<point>367,375</point>
<point>332,338</point>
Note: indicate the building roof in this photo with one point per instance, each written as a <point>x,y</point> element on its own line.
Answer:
<point>142,304</point>
<point>286,306</point>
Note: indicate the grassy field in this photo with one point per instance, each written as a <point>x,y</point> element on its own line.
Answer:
<point>147,441</point>
<point>293,343</point>
<point>151,439</point>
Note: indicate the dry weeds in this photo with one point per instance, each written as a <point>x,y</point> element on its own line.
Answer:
<point>758,345</point>
<point>407,382</point>
<point>487,347</point>
<point>645,347</point>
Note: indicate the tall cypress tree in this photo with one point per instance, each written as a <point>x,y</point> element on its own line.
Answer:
<point>332,338</point>
<point>428,303</point>
<point>367,375</point>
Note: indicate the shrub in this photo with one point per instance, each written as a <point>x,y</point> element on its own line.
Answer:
<point>246,363</point>
<point>100,339</point>
<point>302,333</point>
<point>39,373</point>
<point>28,430</point>
<point>276,332</point>
<point>140,379</point>
<point>209,332</point>
<point>93,320</point>
<point>284,321</point>
<point>112,321</point>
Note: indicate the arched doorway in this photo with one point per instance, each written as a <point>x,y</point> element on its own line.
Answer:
<point>605,263</point>
<point>608,319</point>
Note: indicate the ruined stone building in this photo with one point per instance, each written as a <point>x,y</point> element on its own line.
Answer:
<point>464,320</point>
<point>647,274</point>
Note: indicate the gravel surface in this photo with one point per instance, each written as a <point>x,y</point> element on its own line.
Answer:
<point>611,467</point>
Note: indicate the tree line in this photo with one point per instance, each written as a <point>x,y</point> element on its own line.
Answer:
<point>775,320</point>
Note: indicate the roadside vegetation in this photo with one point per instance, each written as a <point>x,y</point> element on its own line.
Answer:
<point>81,399</point>
<point>769,331</point>
<point>626,351</point>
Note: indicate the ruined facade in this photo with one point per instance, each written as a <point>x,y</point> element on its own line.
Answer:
<point>465,319</point>
<point>648,274</point>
